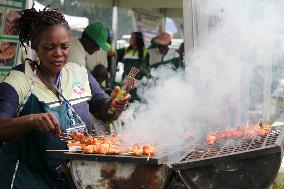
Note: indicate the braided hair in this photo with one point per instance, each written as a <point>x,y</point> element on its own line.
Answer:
<point>33,22</point>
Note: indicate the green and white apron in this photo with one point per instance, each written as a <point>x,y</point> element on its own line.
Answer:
<point>25,160</point>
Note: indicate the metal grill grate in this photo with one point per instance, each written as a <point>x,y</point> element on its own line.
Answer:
<point>249,163</point>
<point>230,147</point>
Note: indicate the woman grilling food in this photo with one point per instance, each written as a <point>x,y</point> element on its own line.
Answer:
<point>39,100</point>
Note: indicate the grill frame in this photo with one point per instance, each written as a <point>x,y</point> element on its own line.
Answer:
<point>255,173</point>
<point>153,160</point>
<point>271,145</point>
<point>117,175</point>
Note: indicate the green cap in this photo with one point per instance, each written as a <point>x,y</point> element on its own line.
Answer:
<point>98,32</point>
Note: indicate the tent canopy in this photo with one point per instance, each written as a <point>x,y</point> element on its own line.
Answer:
<point>170,8</point>
<point>75,22</point>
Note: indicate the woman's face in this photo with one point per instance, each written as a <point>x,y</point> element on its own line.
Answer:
<point>132,41</point>
<point>53,48</point>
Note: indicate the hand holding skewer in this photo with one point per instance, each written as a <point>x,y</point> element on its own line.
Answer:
<point>121,96</point>
<point>46,123</point>
<point>119,99</point>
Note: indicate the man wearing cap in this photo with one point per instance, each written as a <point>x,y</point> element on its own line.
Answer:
<point>93,38</point>
<point>162,54</point>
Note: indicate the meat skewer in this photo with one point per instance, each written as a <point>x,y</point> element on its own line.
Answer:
<point>109,145</point>
<point>63,151</point>
<point>249,131</point>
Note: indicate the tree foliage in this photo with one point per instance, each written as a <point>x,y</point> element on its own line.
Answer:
<point>94,13</point>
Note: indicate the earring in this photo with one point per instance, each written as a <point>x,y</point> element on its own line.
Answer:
<point>37,59</point>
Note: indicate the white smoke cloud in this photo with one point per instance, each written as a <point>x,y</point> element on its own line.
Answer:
<point>223,81</point>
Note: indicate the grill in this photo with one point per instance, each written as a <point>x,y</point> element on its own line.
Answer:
<point>248,163</point>
<point>154,160</point>
<point>251,163</point>
<point>97,171</point>
<point>232,149</point>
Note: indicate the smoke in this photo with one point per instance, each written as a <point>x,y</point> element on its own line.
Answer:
<point>237,45</point>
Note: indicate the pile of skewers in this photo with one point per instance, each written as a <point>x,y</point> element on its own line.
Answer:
<point>248,131</point>
<point>109,145</point>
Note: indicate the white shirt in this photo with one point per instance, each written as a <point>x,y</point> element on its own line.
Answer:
<point>156,56</point>
<point>99,57</point>
<point>80,56</point>
<point>77,52</point>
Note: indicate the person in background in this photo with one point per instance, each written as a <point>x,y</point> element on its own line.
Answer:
<point>134,55</point>
<point>163,55</point>
<point>153,44</point>
<point>100,73</point>
<point>100,56</point>
<point>41,100</point>
<point>181,54</point>
<point>93,38</point>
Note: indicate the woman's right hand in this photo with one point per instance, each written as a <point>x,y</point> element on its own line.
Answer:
<point>46,123</point>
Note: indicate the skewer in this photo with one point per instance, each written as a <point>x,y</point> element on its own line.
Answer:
<point>172,147</point>
<point>105,132</point>
<point>127,153</point>
<point>128,84</point>
<point>64,150</point>
<point>99,136</point>
<point>260,122</point>
<point>148,157</point>
<point>65,138</point>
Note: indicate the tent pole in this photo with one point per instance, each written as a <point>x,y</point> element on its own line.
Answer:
<point>114,22</point>
<point>189,28</point>
<point>163,12</point>
<point>114,40</point>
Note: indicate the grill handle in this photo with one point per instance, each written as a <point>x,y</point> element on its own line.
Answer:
<point>227,166</point>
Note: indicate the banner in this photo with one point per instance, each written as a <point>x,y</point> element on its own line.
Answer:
<point>149,23</point>
<point>9,39</point>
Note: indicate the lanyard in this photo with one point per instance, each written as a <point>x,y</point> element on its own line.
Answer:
<point>58,80</point>
<point>59,94</point>
<point>55,85</point>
